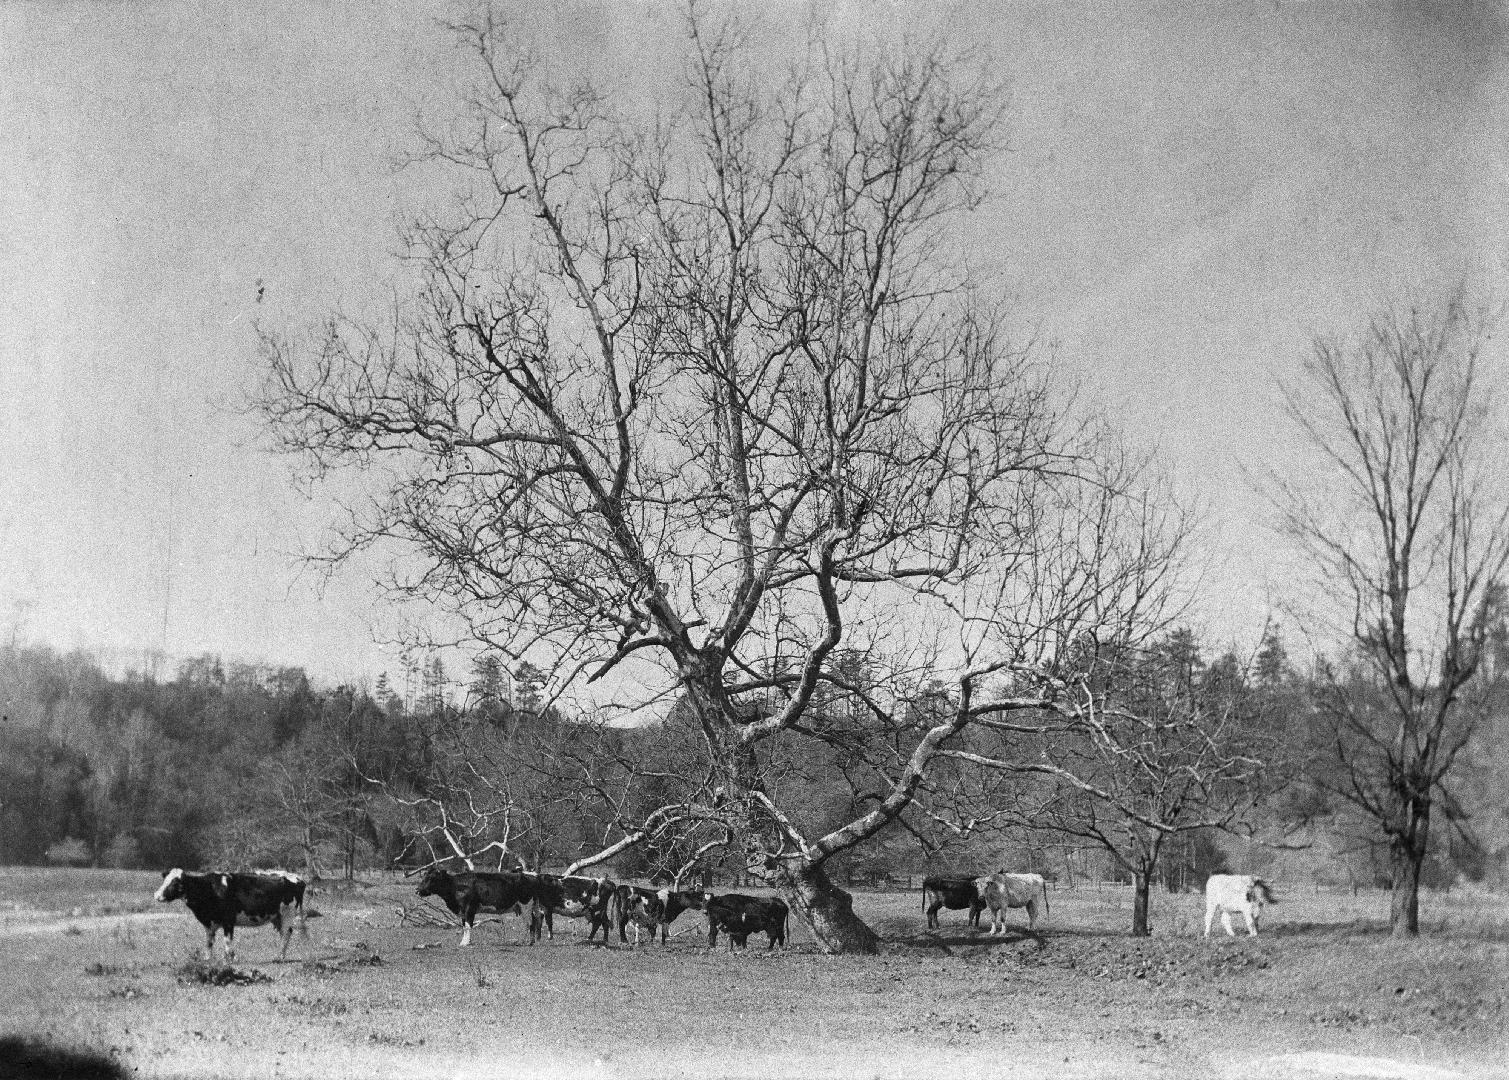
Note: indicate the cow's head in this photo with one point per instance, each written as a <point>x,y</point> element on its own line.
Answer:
<point>434,883</point>
<point>171,887</point>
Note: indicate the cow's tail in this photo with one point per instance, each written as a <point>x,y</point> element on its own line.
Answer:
<point>1045,897</point>
<point>1262,887</point>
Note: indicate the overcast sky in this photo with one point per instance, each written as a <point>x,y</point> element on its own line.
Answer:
<point>1192,191</point>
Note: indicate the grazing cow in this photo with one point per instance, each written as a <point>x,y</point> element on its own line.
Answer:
<point>1001,891</point>
<point>225,901</point>
<point>739,916</point>
<point>473,891</point>
<point>1227,893</point>
<point>953,893</point>
<point>575,898</point>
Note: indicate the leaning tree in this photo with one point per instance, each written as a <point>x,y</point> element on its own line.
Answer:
<point>691,410</point>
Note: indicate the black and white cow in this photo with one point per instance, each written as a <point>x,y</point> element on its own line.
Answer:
<point>637,907</point>
<point>739,916</point>
<point>574,897</point>
<point>953,893</point>
<point>653,909</point>
<point>222,901</point>
<point>468,892</point>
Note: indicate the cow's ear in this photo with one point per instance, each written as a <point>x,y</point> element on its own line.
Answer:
<point>221,885</point>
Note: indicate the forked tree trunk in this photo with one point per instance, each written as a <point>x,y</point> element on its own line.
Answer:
<point>827,910</point>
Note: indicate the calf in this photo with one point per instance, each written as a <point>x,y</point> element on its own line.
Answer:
<point>575,898</point>
<point>467,893</point>
<point>1226,893</point>
<point>1002,891</point>
<point>953,893</point>
<point>225,901</point>
<point>739,916</point>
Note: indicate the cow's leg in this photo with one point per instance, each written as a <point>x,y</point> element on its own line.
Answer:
<point>1226,922</point>
<point>932,915</point>
<point>466,931</point>
<point>1251,920</point>
<point>1210,915</point>
<point>209,941</point>
<point>1032,914</point>
<point>230,943</point>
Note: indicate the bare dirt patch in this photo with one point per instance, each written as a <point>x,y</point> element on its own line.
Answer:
<point>365,997</point>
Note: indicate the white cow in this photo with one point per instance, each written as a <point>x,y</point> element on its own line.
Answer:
<point>1002,891</point>
<point>1227,893</point>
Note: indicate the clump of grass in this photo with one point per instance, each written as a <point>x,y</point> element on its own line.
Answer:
<point>123,935</point>
<point>480,976</point>
<point>73,931</point>
<point>98,968</point>
<point>208,973</point>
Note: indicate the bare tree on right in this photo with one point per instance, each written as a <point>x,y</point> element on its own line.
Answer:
<point>1408,532</point>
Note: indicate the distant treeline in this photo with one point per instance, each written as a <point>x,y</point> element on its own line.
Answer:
<point>248,765</point>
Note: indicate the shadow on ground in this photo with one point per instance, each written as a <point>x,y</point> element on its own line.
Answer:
<point>34,1059</point>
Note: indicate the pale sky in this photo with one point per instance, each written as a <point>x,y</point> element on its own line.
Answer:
<point>1192,191</point>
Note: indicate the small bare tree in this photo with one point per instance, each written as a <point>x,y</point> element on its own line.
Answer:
<point>693,410</point>
<point>1409,534</point>
<point>1162,746</point>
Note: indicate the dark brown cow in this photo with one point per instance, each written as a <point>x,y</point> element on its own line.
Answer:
<point>469,892</point>
<point>739,916</point>
<point>953,893</point>
<point>224,901</point>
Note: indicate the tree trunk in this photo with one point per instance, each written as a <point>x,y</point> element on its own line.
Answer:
<point>827,910</point>
<point>1407,859</point>
<point>1141,885</point>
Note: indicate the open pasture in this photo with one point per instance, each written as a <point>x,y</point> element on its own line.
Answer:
<point>92,967</point>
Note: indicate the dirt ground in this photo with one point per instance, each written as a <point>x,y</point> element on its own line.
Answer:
<point>99,972</point>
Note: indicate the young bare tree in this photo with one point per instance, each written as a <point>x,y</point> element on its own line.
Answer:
<point>1163,746</point>
<point>1410,535</point>
<point>683,409</point>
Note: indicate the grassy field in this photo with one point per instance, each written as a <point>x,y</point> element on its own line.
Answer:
<point>89,967</point>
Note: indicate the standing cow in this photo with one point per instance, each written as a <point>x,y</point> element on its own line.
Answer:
<point>1227,893</point>
<point>953,893</point>
<point>1001,891</point>
<point>738,916</point>
<point>575,898</point>
<point>224,901</point>
<point>467,893</point>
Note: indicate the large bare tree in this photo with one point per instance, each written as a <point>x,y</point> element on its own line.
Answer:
<point>682,408</point>
<point>1409,530</point>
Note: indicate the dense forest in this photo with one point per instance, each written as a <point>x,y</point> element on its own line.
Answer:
<point>232,764</point>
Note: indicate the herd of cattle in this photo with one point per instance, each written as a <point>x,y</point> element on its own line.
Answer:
<point>223,901</point>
